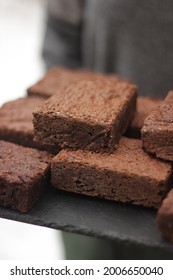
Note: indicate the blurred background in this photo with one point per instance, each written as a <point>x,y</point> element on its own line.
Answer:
<point>21,34</point>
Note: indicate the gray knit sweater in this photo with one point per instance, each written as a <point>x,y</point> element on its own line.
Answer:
<point>133,38</point>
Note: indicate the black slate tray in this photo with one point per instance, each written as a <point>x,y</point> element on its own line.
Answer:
<point>94,217</point>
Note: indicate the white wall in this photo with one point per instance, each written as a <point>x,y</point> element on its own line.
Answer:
<point>21,32</point>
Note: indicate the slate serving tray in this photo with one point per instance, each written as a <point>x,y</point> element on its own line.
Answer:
<point>94,217</point>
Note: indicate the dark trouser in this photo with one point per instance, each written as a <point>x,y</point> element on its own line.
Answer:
<point>79,247</point>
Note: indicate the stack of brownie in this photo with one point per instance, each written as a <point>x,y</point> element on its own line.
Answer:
<point>24,168</point>
<point>87,119</point>
<point>80,121</point>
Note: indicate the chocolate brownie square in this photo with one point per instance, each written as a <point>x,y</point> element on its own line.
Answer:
<point>57,78</point>
<point>157,132</point>
<point>24,173</point>
<point>16,122</point>
<point>128,175</point>
<point>144,106</point>
<point>88,115</point>
<point>165,217</point>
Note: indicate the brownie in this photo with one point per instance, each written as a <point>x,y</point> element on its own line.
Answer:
<point>144,106</point>
<point>24,173</point>
<point>157,132</point>
<point>89,115</point>
<point>128,175</point>
<point>16,122</point>
<point>165,217</point>
<point>57,78</point>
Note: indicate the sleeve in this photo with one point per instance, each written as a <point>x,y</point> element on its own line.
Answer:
<point>62,42</point>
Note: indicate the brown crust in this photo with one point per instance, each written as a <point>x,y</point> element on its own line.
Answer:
<point>24,173</point>
<point>128,175</point>
<point>89,115</point>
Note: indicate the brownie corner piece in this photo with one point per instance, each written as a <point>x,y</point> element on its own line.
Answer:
<point>165,217</point>
<point>89,115</point>
<point>157,132</point>
<point>16,121</point>
<point>24,174</point>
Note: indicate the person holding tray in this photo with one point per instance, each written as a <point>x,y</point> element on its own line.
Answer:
<point>127,37</point>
